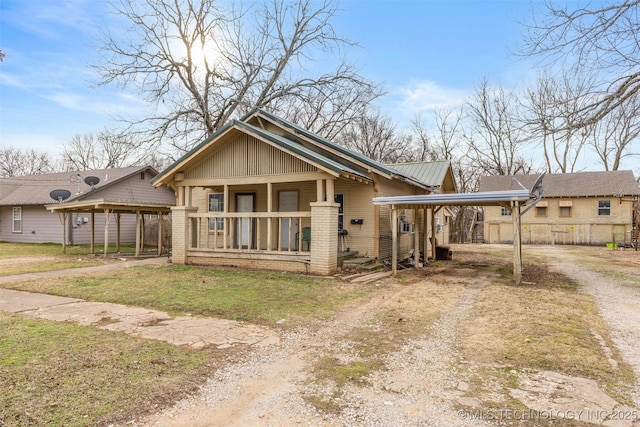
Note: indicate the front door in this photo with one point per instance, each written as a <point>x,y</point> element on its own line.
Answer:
<point>288,202</point>
<point>244,229</point>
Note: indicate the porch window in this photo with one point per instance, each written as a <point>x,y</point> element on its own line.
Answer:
<point>339,199</point>
<point>17,220</point>
<point>216,204</point>
<point>604,207</point>
<point>505,212</point>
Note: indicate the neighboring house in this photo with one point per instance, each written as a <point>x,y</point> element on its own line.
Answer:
<point>24,218</point>
<point>586,208</point>
<point>262,192</point>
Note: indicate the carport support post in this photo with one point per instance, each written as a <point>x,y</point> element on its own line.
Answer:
<point>107,218</point>
<point>63,219</point>
<point>93,233</point>
<point>160,232</point>
<point>433,232</point>
<point>517,245</point>
<point>394,240</point>
<point>416,239</point>
<point>138,233</point>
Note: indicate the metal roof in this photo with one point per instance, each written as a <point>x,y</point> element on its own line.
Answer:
<point>481,198</point>
<point>305,152</point>
<point>330,145</point>
<point>486,198</point>
<point>431,174</point>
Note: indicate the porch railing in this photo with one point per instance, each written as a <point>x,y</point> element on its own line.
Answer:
<point>276,232</point>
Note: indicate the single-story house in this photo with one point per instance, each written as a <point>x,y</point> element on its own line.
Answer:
<point>585,208</point>
<point>24,200</point>
<point>262,192</point>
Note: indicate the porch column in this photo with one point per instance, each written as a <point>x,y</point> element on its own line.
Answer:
<point>160,232</point>
<point>180,233</point>
<point>118,232</point>
<point>517,245</point>
<point>324,237</point>
<point>269,210</point>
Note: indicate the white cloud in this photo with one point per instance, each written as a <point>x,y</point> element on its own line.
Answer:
<point>423,96</point>
<point>114,104</point>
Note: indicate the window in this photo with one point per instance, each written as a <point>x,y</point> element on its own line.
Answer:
<point>17,220</point>
<point>339,199</point>
<point>505,212</point>
<point>541,211</point>
<point>565,210</point>
<point>216,204</point>
<point>604,207</point>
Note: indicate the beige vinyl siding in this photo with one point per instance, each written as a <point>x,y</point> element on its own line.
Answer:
<point>357,205</point>
<point>405,241</point>
<point>582,227</point>
<point>247,156</point>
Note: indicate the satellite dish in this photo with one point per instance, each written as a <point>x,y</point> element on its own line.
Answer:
<point>60,195</point>
<point>92,181</point>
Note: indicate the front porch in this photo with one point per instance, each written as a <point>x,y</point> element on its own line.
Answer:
<point>240,226</point>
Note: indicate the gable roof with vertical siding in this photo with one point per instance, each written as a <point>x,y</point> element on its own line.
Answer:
<point>580,184</point>
<point>33,190</point>
<point>309,146</point>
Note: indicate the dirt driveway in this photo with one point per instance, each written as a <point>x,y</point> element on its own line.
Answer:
<point>402,359</point>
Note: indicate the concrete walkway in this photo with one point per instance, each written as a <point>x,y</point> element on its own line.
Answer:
<point>196,332</point>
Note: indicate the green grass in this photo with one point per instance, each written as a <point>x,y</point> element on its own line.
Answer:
<point>254,296</point>
<point>14,250</point>
<point>61,374</point>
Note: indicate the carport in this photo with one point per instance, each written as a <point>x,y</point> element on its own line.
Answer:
<point>108,207</point>
<point>517,201</point>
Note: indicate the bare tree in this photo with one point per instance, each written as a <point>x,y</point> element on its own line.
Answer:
<point>615,137</point>
<point>201,65</point>
<point>105,150</point>
<point>441,145</point>
<point>495,138</point>
<point>446,143</point>
<point>550,107</point>
<point>16,162</point>
<point>376,136</point>
<point>599,37</point>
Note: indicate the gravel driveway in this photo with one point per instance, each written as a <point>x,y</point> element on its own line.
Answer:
<point>421,384</point>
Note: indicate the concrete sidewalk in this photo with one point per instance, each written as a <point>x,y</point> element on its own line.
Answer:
<point>196,332</point>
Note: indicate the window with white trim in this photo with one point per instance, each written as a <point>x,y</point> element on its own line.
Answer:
<point>17,220</point>
<point>216,204</point>
<point>505,212</point>
<point>604,207</point>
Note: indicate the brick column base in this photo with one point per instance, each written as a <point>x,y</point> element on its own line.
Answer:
<point>180,233</point>
<point>324,238</point>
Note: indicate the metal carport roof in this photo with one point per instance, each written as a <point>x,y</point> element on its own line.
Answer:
<point>513,200</point>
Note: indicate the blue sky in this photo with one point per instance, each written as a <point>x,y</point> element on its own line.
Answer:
<point>423,52</point>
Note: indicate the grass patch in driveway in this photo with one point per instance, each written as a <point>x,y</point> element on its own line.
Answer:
<point>54,373</point>
<point>546,325</point>
<point>254,296</point>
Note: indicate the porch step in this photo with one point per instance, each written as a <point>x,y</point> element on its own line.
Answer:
<point>362,263</point>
